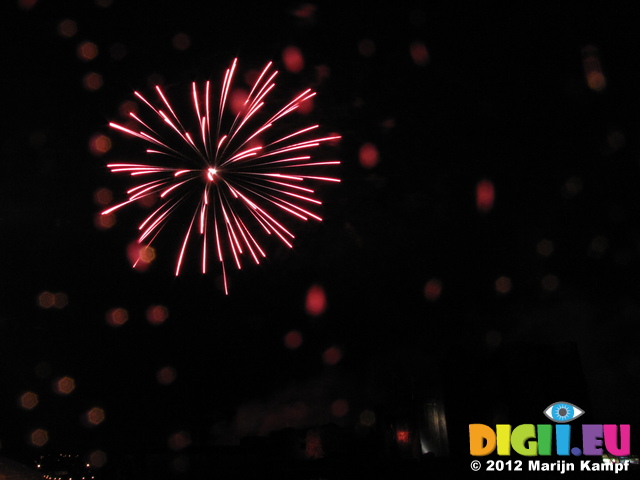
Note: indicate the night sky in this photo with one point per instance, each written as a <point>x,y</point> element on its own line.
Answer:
<point>483,245</point>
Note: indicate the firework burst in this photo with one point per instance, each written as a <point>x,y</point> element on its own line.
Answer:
<point>241,174</point>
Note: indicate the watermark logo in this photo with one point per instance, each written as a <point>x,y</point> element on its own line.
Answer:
<point>545,440</point>
<point>562,412</point>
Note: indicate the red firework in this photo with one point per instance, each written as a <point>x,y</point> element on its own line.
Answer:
<point>243,176</point>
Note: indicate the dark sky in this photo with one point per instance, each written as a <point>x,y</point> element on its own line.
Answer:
<point>503,96</point>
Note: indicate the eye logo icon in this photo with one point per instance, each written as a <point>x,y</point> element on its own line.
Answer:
<point>562,412</point>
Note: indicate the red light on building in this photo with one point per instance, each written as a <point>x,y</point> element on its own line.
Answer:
<point>403,437</point>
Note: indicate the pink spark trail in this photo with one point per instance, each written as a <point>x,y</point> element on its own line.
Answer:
<point>242,176</point>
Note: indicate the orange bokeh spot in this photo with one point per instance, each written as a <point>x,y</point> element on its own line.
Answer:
<point>28,400</point>
<point>103,196</point>
<point>95,416</point>
<point>157,314</point>
<point>485,195</point>
<point>67,28</point>
<point>92,81</point>
<point>99,144</point>
<point>64,385</point>
<point>52,300</point>
<point>593,70</point>
<point>368,155</point>
<point>46,300</point>
<point>97,459</point>
<point>140,256</point>
<point>117,317</point>
<point>127,107</point>
<point>60,300</point>
<point>293,59</point>
<point>316,301</point>
<point>433,289</point>
<point>293,339</point>
<point>87,51</point>
<point>104,222</point>
<point>39,437</point>
<point>332,356</point>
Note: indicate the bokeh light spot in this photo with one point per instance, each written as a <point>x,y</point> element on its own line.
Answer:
<point>293,59</point>
<point>550,283</point>
<point>545,247</point>
<point>433,289</point>
<point>104,222</point>
<point>53,300</point>
<point>127,107</point>
<point>181,41</point>
<point>99,144</point>
<point>598,246</point>
<point>67,28</point>
<point>592,69</point>
<point>166,375</point>
<point>27,4</point>
<point>28,400</point>
<point>485,195</point>
<point>39,437</point>
<point>366,47</point>
<point>332,355</point>
<point>419,53</point>
<point>87,51</point>
<point>367,418</point>
<point>92,81</point>
<point>117,317</point>
<point>293,339</point>
<point>237,100</point>
<point>46,300</point>
<point>95,416</point>
<point>179,441</point>
<point>368,155</point>
<point>306,107</point>
<point>180,464</point>
<point>305,11</point>
<point>140,256</point>
<point>503,285</point>
<point>97,459</point>
<point>60,300</point>
<point>572,187</point>
<point>64,385</point>
<point>316,301</point>
<point>157,314</point>
<point>103,196</point>
<point>340,408</point>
